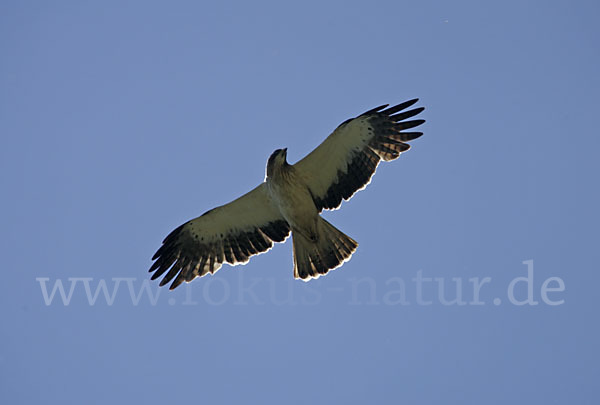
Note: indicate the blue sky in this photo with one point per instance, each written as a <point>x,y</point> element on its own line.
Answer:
<point>122,120</point>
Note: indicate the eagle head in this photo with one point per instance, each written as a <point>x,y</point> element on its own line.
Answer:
<point>277,160</point>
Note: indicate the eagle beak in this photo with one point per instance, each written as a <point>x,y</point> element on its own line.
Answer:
<point>285,152</point>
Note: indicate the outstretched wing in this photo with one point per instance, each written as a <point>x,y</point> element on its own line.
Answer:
<point>345,162</point>
<point>230,233</point>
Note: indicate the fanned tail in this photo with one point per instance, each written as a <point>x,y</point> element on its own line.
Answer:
<point>315,258</point>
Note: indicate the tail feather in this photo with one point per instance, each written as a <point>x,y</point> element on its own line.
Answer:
<point>315,258</point>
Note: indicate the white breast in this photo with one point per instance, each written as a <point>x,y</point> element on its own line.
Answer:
<point>294,200</point>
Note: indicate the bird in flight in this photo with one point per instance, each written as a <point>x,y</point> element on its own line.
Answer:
<point>290,200</point>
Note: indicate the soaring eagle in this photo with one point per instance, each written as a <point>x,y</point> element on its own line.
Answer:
<point>290,200</point>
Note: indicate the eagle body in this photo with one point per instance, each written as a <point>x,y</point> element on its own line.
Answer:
<point>318,245</point>
<point>289,201</point>
<point>290,193</point>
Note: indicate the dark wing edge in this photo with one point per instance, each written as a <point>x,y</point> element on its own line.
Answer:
<point>387,142</point>
<point>231,233</point>
<point>188,256</point>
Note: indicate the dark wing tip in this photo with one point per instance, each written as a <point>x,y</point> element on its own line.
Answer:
<point>400,107</point>
<point>374,110</point>
<point>409,136</point>
<point>383,109</point>
<point>177,282</point>
<point>407,114</point>
<point>166,257</point>
<point>164,281</point>
<point>409,124</point>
